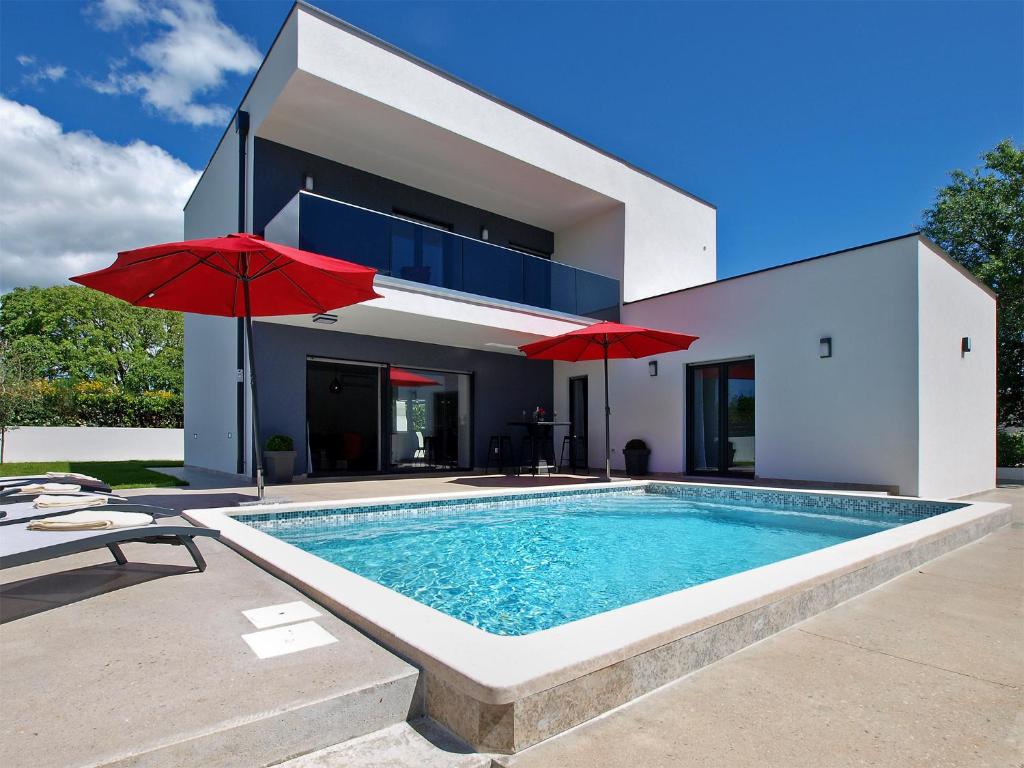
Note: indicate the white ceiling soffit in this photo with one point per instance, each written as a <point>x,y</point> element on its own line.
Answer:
<point>415,316</point>
<point>331,121</point>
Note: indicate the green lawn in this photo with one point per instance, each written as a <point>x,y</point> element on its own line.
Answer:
<point>116,474</point>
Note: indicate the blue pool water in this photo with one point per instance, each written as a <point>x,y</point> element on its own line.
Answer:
<point>512,570</point>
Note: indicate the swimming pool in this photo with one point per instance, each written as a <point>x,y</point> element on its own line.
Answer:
<point>530,611</point>
<point>514,568</point>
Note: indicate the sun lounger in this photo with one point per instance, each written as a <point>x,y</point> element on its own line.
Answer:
<point>20,546</point>
<point>52,494</point>
<point>86,482</point>
<point>24,511</point>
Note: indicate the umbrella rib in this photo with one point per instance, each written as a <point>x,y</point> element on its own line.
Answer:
<point>232,271</point>
<point>583,350</point>
<point>625,341</point>
<point>267,268</point>
<point>169,280</point>
<point>303,291</point>
<point>114,268</point>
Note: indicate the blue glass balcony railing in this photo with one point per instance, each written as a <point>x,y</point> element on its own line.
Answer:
<point>424,254</point>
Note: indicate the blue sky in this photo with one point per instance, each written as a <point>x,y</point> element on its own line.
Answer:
<point>811,126</point>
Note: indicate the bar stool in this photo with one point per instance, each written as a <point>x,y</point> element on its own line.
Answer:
<point>499,449</point>
<point>526,453</point>
<point>567,445</point>
<point>548,452</point>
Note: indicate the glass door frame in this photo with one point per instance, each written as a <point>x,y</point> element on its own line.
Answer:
<point>723,419</point>
<point>387,416</point>
<point>586,426</point>
<point>382,370</point>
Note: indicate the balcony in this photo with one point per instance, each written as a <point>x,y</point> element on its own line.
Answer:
<point>423,254</point>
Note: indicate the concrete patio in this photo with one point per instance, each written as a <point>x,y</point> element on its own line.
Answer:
<point>214,489</point>
<point>146,666</point>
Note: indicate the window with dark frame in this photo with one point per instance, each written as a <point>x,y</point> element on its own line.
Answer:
<point>528,250</point>
<point>417,219</point>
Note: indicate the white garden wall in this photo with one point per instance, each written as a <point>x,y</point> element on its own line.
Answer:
<point>93,444</point>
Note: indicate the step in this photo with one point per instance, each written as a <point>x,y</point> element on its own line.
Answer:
<point>418,744</point>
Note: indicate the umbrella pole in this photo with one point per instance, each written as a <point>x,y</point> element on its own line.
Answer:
<point>607,422</point>
<point>252,387</point>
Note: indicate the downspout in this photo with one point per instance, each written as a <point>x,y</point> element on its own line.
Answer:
<point>242,129</point>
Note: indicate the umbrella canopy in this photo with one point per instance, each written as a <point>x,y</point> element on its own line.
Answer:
<point>238,275</point>
<point>403,378</point>
<point>605,341</point>
<point>210,277</point>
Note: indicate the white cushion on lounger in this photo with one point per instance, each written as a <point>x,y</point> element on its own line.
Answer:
<point>31,489</point>
<point>81,500</point>
<point>91,520</point>
<point>75,476</point>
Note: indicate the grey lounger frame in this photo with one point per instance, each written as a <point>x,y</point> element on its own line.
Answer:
<point>21,546</point>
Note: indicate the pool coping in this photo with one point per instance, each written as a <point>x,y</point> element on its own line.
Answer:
<point>500,671</point>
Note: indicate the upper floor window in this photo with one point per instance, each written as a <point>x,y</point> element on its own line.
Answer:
<point>417,219</point>
<point>528,250</point>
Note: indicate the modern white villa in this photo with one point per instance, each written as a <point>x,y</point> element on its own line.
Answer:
<point>490,228</point>
<point>819,540</point>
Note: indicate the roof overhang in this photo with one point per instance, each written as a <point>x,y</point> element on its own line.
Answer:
<point>436,316</point>
<point>329,120</point>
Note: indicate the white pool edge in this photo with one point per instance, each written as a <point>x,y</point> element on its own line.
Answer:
<point>500,670</point>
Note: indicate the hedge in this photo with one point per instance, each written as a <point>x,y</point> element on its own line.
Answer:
<point>1010,449</point>
<point>91,404</point>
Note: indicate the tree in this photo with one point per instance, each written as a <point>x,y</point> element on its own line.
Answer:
<point>979,220</point>
<point>12,379</point>
<point>74,334</point>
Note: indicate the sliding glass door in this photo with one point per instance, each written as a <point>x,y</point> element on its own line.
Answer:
<point>720,419</point>
<point>430,419</point>
<point>342,417</point>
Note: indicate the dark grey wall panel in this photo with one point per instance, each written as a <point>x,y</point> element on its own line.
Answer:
<point>503,385</point>
<point>279,172</point>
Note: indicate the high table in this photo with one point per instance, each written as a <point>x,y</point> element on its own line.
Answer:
<point>540,434</point>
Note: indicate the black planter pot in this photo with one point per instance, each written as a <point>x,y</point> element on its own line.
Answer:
<point>636,460</point>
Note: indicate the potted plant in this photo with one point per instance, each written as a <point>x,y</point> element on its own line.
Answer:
<point>279,458</point>
<point>637,455</point>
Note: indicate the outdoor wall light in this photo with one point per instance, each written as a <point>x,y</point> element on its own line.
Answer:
<point>965,345</point>
<point>309,183</point>
<point>652,368</point>
<point>325,319</point>
<point>825,347</point>
<point>335,386</point>
<point>485,234</point>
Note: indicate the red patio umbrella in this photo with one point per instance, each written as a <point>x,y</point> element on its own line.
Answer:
<point>402,378</point>
<point>604,341</point>
<point>238,275</point>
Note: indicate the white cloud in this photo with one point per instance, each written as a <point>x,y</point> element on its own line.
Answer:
<point>70,201</point>
<point>111,14</point>
<point>38,72</point>
<point>187,58</point>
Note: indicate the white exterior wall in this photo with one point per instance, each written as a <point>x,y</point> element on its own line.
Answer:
<point>211,342</point>
<point>597,244</point>
<point>958,402</point>
<point>849,418</point>
<point>92,444</point>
